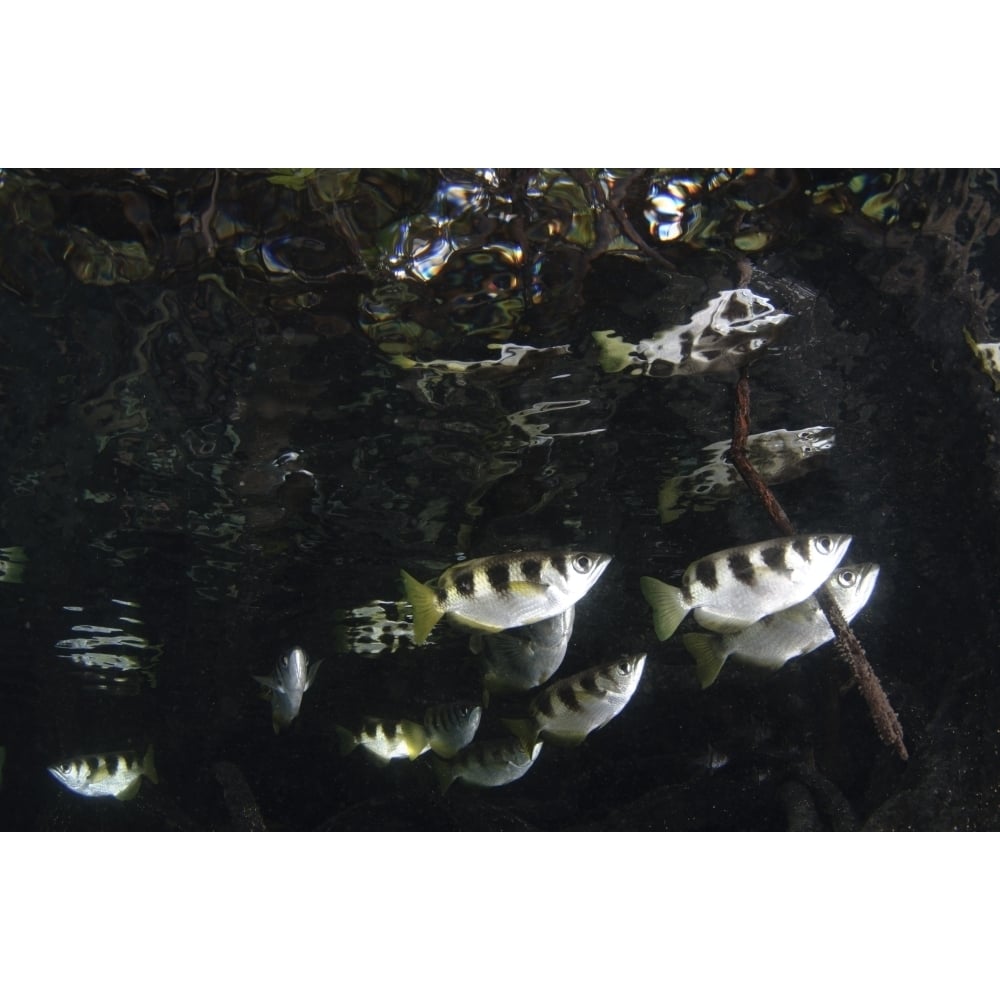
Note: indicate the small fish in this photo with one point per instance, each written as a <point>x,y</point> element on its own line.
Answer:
<point>494,593</point>
<point>488,764</point>
<point>12,564</point>
<point>778,456</point>
<point>117,773</point>
<point>291,679</point>
<point>776,639</point>
<point>567,711</point>
<point>524,658</point>
<point>385,739</point>
<point>732,589</point>
<point>452,726</point>
<point>723,336</point>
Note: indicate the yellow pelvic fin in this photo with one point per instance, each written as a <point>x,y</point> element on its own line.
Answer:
<point>414,738</point>
<point>426,613</point>
<point>347,740</point>
<point>668,611</point>
<point>708,656</point>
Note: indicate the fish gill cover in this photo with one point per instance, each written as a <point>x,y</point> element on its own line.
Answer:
<point>239,403</point>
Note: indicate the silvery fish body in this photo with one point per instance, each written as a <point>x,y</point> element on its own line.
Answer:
<point>778,456</point>
<point>524,658</point>
<point>452,726</point>
<point>488,764</point>
<point>117,773</point>
<point>732,589</point>
<point>291,679</point>
<point>724,336</point>
<point>385,739</point>
<point>775,639</point>
<point>494,593</point>
<point>567,711</point>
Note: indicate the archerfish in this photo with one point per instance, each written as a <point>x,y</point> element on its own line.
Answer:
<point>494,593</point>
<point>524,658</point>
<point>488,763</point>
<point>452,726</point>
<point>287,684</point>
<point>732,589</point>
<point>775,639</point>
<point>117,773</point>
<point>385,739</point>
<point>568,711</point>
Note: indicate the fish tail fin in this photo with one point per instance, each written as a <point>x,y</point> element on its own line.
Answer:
<point>526,730</point>
<point>426,613</point>
<point>347,740</point>
<point>414,738</point>
<point>708,656</point>
<point>148,767</point>
<point>668,607</point>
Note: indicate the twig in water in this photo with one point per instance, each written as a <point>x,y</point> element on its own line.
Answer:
<point>886,721</point>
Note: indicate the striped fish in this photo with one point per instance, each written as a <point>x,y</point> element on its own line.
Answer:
<point>732,589</point>
<point>524,658</point>
<point>567,711</point>
<point>385,739</point>
<point>452,726</point>
<point>291,679</point>
<point>487,764</point>
<point>506,591</point>
<point>118,773</point>
<point>775,639</point>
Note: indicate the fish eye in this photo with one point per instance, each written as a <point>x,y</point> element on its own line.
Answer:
<point>583,563</point>
<point>846,578</point>
<point>824,543</point>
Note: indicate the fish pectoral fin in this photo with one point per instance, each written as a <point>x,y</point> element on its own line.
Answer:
<point>268,682</point>
<point>708,656</point>
<point>426,613</point>
<point>311,675</point>
<point>526,730</point>
<point>129,792</point>
<point>667,604</point>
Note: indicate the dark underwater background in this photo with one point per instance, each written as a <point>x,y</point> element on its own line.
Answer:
<point>216,446</point>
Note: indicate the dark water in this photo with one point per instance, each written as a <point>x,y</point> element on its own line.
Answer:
<point>215,449</point>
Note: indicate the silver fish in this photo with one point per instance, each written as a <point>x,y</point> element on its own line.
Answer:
<point>506,591</point>
<point>452,726</point>
<point>488,764</point>
<point>732,589</point>
<point>779,456</point>
<point>385,739</point>
<point>775,639</point>
<point>524,658</point>
<point>115,773</point>
<point>724,336</point>
<point>292,677</point>
<point>567,711</point>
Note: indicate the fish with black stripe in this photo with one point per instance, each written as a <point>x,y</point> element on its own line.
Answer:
<point>494,593</point>
<point>775,639</point>
<point>568,711</point>
<point>452,726</point>
<point>488,763</point>
<point>116,773</point>
<point>524,658</point>
<point>385,739</point>
<point>732,589</point>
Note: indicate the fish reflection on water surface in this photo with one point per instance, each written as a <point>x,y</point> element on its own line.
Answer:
<point>778,456</point>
